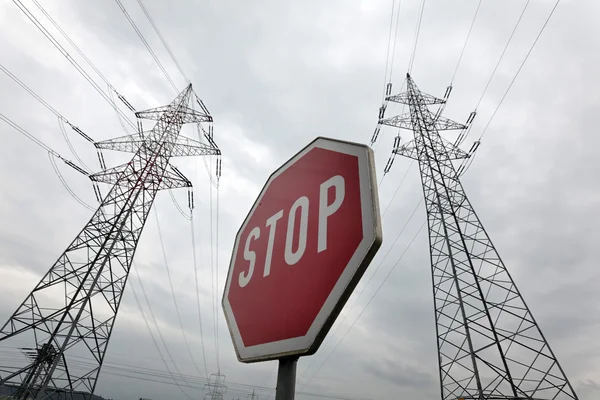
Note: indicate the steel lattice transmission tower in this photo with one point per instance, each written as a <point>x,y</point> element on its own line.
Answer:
<point>489,344</point>
<point>68,318</point>
<point>215,388</point>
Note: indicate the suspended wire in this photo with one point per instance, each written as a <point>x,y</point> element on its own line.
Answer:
<point>111,88</point>
<point>388,81</point>
<point>212,272</point>
<point>195,264</point>
<point>397,189</point>
<point>31,92</point>
<point>116,368</point>
<point>273,369</point>
<point>160,335</point>
<point>139,33</point>
<point>121,122</point>
<point>110,100</point>
<point>146,373</point>
<point>470,160</point>
<point>70,145</point>
<point>208,168</point>
<point>61,118</point>
<point>395,40</point>
<point>163,41</point>
<point>381,181</point>
<point>52,154</point>
<point>521,66</point>
<point>179,208</point>
<point>195,260</point>
<point>66,54</point>
<point>367,305</point>
<point>72,43</point>
<point>466,41</point>
<point>492,77</point>
<point>217,281</point>
<point>31,137</point>
<point>170,373</point>
<point>387,58</point>
<point>361,291</point>
<point>502,55</point>
<point>64,183</point>
<point>164,253</point>
<point>412,57</point>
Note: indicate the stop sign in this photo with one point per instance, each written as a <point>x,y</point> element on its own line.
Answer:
<point>301,250</point>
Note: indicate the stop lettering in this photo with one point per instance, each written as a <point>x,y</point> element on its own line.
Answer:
<point>297,224</point>
<point>290,270</point>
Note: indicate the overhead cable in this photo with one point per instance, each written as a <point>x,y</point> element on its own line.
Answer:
<point>414,51</point>
<point>160,335</point>
<point>366,305</point>
<point>467,162</point>
<point>170,373</point>
<point>163,41</point>
<point>146,44</point>
<point>360,293</point>
<point>466,41</point>
<point>177,312</point>
<point>512,34</point>
<point>66,54</point>
<point>195,265</point>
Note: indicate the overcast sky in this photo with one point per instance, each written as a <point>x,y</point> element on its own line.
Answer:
<point>274,75</point>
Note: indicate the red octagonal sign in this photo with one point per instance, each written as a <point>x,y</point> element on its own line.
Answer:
<point>302,249</point>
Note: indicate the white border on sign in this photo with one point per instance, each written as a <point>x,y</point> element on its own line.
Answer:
<point>371,233</point>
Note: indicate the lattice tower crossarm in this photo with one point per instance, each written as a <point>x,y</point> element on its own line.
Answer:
<point>489,345</point>
<point>91,275</point>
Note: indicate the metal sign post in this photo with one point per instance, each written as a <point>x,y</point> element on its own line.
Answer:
<point>286,378</point>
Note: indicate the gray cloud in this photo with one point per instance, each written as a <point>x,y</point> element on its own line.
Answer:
<point>275,75</point>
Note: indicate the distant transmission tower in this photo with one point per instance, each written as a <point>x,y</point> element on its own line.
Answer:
<point>68,318</point>
<point>215,387</point>
<point>489,344</point>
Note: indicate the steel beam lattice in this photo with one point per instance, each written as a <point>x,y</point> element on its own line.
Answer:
<point>489,345</point>
<point>69,316</point>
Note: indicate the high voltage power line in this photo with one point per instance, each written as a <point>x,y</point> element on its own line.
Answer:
<point>111,88</point>
<point>77,66</point>
<point>466,164</point>
<point>165,261</point>
<point>79,69</point>
<point>469,160</point>
<point>410,67</point>
<point>58,344</point>
<point>162,40</point>
<point>53,153</point>
<point>512,34</point>
<point>358,296</point>
<point>462,52</point>
<point>169,378</point>
<point>146,44</point>
<point>418,31</point>
<point>387,87</point>
<point>157,328</point>
<point>213,258</point>
<point>366,305</point>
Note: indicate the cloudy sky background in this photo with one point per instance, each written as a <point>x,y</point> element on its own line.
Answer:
<point>275,75</point>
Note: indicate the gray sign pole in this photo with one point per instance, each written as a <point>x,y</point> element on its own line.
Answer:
<point>286,378</point>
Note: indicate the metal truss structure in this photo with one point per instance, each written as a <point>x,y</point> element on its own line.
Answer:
<point>68,318</point>
<point>489,345</point>
<point>215,389</point>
